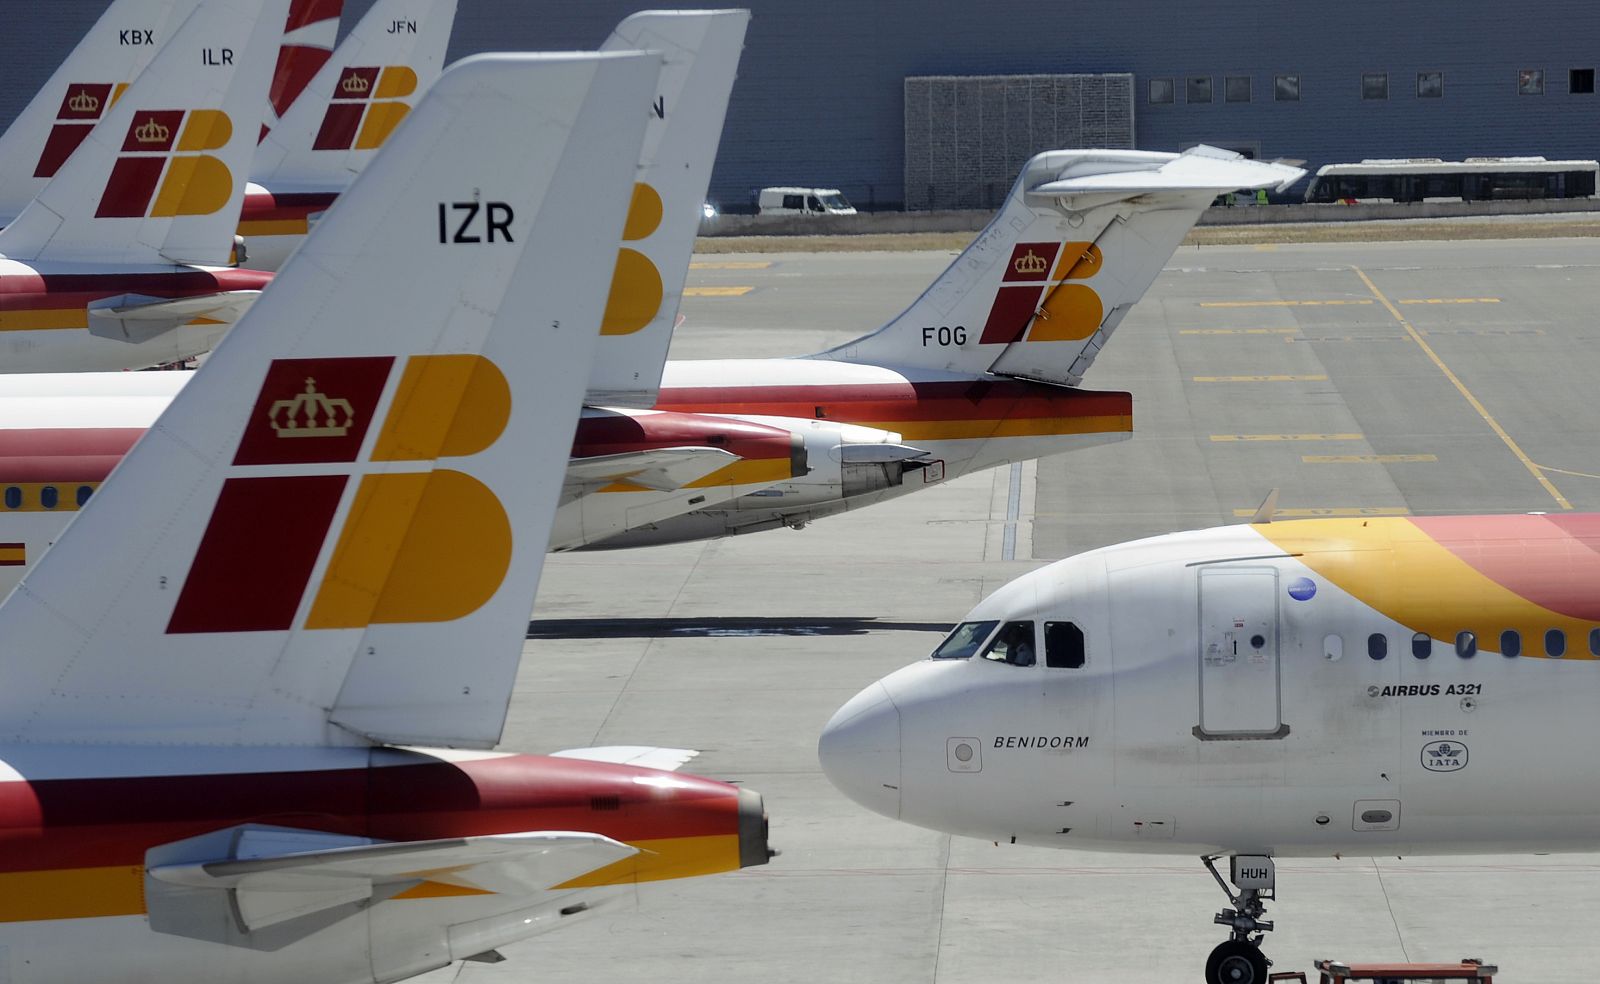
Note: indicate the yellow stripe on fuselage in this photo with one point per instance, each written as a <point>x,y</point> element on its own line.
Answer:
<point>274,227</point>
<point>750,471</point>
<point>1397,570</point>
<point>71,893</point>
<point>44,319</point>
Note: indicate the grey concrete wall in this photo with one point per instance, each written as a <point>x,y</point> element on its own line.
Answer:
<point>820,94</point>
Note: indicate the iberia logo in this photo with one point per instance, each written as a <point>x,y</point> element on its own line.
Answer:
<point>636,289</point>
<point>81,108</point>
<point>1036,288</point>
<point>162,171</point>
<point>366,108</point>
<point>429,544</point>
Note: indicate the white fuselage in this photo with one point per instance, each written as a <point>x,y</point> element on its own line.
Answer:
<point>1179,734</point>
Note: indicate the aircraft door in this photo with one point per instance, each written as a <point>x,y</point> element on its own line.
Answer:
<point>1239,673</point>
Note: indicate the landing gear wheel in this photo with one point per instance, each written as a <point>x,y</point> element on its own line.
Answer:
<point>1236,962</point>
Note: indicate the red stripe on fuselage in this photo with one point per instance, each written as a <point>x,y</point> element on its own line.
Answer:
<point>977,399</point>
<point>78,823</point>
<point>50,291</point>
<point>621,434</point>
<point>270,207</point>
<point>1552,561</point>
<point>84,454</point>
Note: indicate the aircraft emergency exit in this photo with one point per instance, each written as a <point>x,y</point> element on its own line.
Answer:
<point>209,733</point>
<point>1410,686</point>
<point>121,259</point>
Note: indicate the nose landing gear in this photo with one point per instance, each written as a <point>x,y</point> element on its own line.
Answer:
<point>1238,959</point>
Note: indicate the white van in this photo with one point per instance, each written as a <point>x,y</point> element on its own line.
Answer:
<point>803,201</point>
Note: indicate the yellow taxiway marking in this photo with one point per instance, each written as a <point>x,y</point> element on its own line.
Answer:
<point>1363,459</point>
<point>1331,511</point>
<point>1461,387</point>
<point>1451,300</point>
<point>1286,437</point>
<point>1242,304</point>
<point>716,291</point>
<point>1260,379</point>
<point>1564,471</point>
<point>1237,331</point>
<point>730,264</point>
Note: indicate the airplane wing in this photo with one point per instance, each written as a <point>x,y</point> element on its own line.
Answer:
<point>659,469</point>
<point>274,874</point>
<point>141,317</point>
<point>643,756</point>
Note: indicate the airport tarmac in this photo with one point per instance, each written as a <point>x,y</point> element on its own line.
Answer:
<point>1357,378</point>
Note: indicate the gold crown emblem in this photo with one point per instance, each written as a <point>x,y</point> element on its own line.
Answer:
<point>83,102</point>
<point>311,414</point>
<point>152,132</point>
<point>355,84</point>
<point>1031,263</point>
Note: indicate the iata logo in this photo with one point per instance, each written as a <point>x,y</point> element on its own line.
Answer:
<point>366,107</point>
<point>83,105</point>
<point>1036,289</point>
<point>418,541</point>
<point>162,170</point>
<point>1444,756</point>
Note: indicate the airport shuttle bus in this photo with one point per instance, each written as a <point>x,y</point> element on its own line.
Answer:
<point>1429,179</point>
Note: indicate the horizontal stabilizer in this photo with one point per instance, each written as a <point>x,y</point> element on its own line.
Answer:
<point>140,317</point>
<point>643,756</point>
<point>660,469</point>
<point>278,874</point>
<point>1139,172</point>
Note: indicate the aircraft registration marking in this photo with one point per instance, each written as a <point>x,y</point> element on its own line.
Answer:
<point>1286,437</point>
<point>1352,459</point>
<point>716,291</point>
<point>1261,379</point>
<point>730,265</point>
<point>1331,511</point>
<point>1243,304</point>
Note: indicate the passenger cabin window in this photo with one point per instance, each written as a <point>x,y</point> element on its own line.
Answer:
<point>1510,643</point>
<point>1466,645</point>
<point>1555,643</point>
<point>13,497</point>
<point>1012,644</point>
<point>49,496</point>
<point>1421,645</point>
<point>1377,645</point>
<point>1063,645</point>
<point>964,640</point>
<point>84,492</point>
<point>1594,642</point>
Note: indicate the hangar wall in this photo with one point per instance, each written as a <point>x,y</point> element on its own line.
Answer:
<point>820,94</point>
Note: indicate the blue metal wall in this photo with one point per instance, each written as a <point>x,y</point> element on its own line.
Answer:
<point>819,98</point>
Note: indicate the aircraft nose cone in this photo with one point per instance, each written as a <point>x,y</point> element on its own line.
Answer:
<point>860,751</point>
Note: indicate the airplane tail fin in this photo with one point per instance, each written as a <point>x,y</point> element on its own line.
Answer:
<point>308,37</point>
<point>334,533</point>
<point>702,50</point>
<point>160,178</point>
<point>79,93</point>
<point>377,74</point>
<point>1080,239</point>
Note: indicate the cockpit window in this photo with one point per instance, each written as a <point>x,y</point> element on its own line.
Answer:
<point>964,640</point>
<point>1063,645</point>
<point>1012,644</point>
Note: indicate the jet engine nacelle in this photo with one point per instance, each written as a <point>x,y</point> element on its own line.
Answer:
<point>844,460</point>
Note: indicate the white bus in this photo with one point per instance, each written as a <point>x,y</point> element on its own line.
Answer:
<point>1429,179</point>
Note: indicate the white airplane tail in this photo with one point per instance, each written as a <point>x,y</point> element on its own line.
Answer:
<point>334,534</point>
<point>380,70</point>
<point>702,50</point>
<point>1081,238</point>
<point>160,178</point>
<point>111,56</point>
